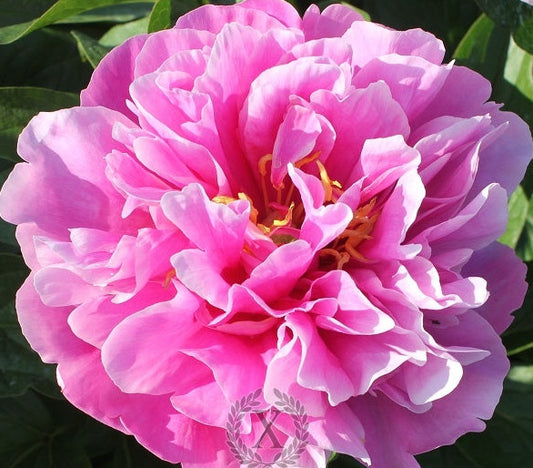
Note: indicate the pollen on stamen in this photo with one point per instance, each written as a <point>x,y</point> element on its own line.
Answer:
<point>171,274</point>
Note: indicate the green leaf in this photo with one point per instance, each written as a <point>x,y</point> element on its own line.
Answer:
<point>41,432</point>
<point>119,33</point>
<point>518,73</point>
<point>518,209</point>
<point>488,49</point>
<point>484,48</point>
<point>166,12</point>
<point>19,105</point>
<point>514,15</point>
<point>343,461</point>
<point>20,367</point>
<point>507,439</point>
<point>160,16</point>
<point>122,13</point>
<point>90,49</point>
<point>524,246</point>
<point>46,59</point>
<point>518,338</point>
<point>132,455</point>
<point>24,424</point>
<point>447,19</point>
<point>46,13</point>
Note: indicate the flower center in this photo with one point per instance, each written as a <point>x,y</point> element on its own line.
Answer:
<point>282,214</point>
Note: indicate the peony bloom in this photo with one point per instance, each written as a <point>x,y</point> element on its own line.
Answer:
<point>252,200</point>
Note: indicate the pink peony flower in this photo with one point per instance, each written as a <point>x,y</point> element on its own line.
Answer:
<point>252,200</point>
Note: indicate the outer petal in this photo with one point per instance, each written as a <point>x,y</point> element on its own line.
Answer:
<point>213,18</point>
<point>332,22</point>
<point>109,85</point>
<point>370,40</point>
<point>505,276</point>
<point>66,173</point>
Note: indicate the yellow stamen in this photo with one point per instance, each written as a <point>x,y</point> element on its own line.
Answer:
<point>286,221</point>
<point>223,199</point>
<point>253,210</point>
<point>263,171</point>
<point>171,274</point>
<point>326,181</point>
<point>307,159</point>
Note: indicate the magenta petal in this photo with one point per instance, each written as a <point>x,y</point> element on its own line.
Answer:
<point>372,111</point>
<point>396,216</point>
<point>332,22</point>
<point>93,320</point>
<point>109,85</point>
<point>61,287</point>
<point>55,172</point>
<point>380,40</point>
<point>199,273</point>
<point>331,432</point>
<point>296,138</point>
<point>355,314</point>
<point>278,274</point>
<point>129,351</point>
<point>270,94</point>
<point>322,224</point>
<point>164,44</point>
<point>319,369</point>
<point>473,227</point>
<point>516,140</point>
<point>213,18</point>
<point>175,437</point>
<point>503,272</point>
<point>404,75</point>
<point>216,228</point>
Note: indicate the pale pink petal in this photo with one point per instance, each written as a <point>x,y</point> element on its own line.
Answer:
<point>216,228</point>
<point>109,85</point>
<point>214,17</point>
<point>515,140</point>
<point>332,22</point>
<point>60,164</point>
<point>263,110</point>
<point>372,111</point>
<point>503,272</point>
<point>164,44</point>
<point>395,218</point>
<point>414,82</point>
<point>379,40</point>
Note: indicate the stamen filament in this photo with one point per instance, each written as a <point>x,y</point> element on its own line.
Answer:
<point>262,170</point>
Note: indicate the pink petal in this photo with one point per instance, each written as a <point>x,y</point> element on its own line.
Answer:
<point>159,47</point>
<point>109,85</point>
<point>372,111</point>
<point>263,110</point>
<point>395,218</point>
<point>62,163</point>
<point>505,276</point>
<point>138,360</point>
<point>413,81</point>
<point>214,17</point>
<point>332,22</point>
<point>215,228</point>
<point>379,40</point>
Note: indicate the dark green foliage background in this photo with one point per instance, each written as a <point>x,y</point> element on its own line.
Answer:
<point>48,50</point>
